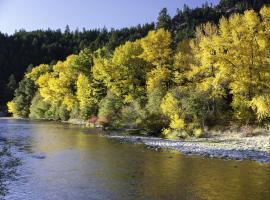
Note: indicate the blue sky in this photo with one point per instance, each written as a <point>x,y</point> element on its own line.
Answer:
<point>54,14</point>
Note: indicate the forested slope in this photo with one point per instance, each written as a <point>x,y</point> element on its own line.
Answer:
<point>160,85</point>
<point>24,49</point>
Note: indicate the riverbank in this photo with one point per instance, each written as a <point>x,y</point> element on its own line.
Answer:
<point>224,147</point>
<point>228,145</point>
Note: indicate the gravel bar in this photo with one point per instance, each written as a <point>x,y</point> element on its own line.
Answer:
<point>249,148</point>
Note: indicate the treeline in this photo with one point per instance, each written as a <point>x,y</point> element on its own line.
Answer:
<point>219,76</point>
<point>24,50</point>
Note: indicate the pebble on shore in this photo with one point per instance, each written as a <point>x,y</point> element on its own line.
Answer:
<point>255,148</point>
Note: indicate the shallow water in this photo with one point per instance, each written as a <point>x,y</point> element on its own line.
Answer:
<point>60,161</point>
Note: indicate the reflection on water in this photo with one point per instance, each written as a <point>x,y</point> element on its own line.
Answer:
<point>65,162</point>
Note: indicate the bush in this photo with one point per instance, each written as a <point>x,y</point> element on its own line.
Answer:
<point>38,107</point>
<point>109,109</point>
<point>188,111</point>
<point>93,120</point>
<point>154,124</point>
<point>57,112</point>
<point>197,132</point>
<point>133,115</point>
<point>75,112</point>
<point>63,113</point>
<point>20,105</point>
<point>175,134</point>
<point>103,121</point>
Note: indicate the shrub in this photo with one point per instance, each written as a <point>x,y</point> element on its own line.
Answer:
<point>197,132</point>
<point>174,134</point>
<point>109,109</point>
<point>187,111</point>
<point>93,120</point>
<point>38,107</point>
<point>103,121</point>
<point>133,115</point>
<point>24,94</point>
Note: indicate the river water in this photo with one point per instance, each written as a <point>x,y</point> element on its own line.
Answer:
<point>60,161</point>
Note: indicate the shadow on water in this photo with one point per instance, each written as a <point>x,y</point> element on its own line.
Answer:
<point>64,162</point>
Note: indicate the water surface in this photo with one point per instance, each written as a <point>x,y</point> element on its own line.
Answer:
<point>60,161</point>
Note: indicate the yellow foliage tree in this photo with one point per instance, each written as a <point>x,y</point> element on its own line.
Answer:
<point>38,71</point>
<point>123,74</point>
<point>236,57</point>
<point>182,62</point>
<point>59,86</point>
<point>84,96</point>
<point>11,107</point>
<point>157,47</point>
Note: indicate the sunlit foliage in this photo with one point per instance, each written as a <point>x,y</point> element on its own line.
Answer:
<point>220,75</point>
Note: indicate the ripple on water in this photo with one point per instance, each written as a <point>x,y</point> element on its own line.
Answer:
<point>8,166</point>
<point>67,163</point>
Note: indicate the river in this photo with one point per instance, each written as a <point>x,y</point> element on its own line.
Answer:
<point>61,161</point>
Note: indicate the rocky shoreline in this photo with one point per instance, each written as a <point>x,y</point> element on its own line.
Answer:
<point>249,148</point>
<point>228,146</point>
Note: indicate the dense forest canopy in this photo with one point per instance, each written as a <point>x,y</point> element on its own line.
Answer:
<point>204,67</point>
<point>25,49</point>
<point>159,83</point>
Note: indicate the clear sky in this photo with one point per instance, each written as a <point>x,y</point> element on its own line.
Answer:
<point>54,14</point>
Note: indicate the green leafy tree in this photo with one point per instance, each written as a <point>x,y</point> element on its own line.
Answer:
<point>109,110</point>
<point>39,108</point>
<point>24,94</point>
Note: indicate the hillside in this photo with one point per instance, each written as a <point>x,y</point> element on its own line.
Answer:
<point>25,49</point>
